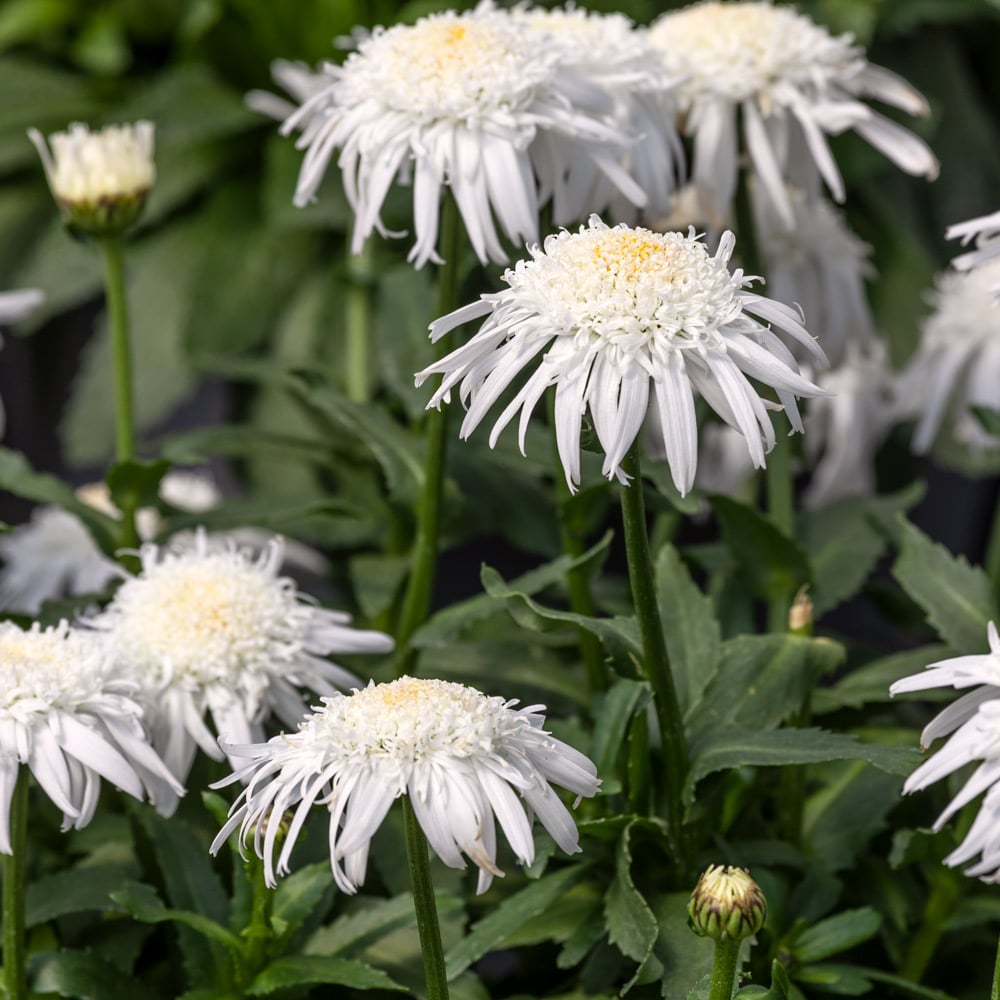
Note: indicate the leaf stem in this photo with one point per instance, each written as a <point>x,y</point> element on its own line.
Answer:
<point>781,508</point>
<point>420,585</point>
<point>656,661</point>
<point>425,906</point>
<point>113,259</point>
<point>945,891</point>
<point>991,561</point>
<point>995,992</point>
<point>258,932</point>
<point>358,323</point>
<point>15,979</point>
<point>724,969</point>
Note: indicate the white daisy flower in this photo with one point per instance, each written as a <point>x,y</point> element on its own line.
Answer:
<point>295,78</point>
<point>792,83</point>
<point>599,314</point>
<point>100,179</point>
<point>973,725</point>
<point>986,232</point>
<point>475,101</point>
<point>957,365</point>
<point>607,49</point>
<point>211,628</point>
<point>65,715</point>
<point>461,756</point>
<point>845,429</point>
<point>820,265</point>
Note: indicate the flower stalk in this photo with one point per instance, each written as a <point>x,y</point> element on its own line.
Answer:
<point>655,659</point>
<point>428,926</point>
<point>15,980</point>
<point>358,323</point>
<point>420,586</point>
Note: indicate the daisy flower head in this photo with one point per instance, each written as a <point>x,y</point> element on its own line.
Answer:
<point>66,715</point>
<point>601,314</point>
<point>972,725</point>
<point>209,628</point>
<point>461,756</point>
<point>792,83</point>
<point>985,231</point>
<point>99,179</point>
<point>456,100</point>
<point>609,50</point>
<point>957,364</point>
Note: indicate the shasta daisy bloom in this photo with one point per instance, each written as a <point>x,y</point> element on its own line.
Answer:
<point>67,717</point>
<point>461,756</point>
<point>609,50</point>
<point>459,101</point>
<point>602,314</point>
<point>100,179</point>
<point>972,724</point>
<point>208,628</point>
<point>957,365</point>
<point>792,83</point>
<point>821,266</point>
<point>986,233</point>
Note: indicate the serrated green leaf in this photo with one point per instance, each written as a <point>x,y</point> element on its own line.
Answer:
<point>690,627</point>
<point>493,930</point>
<point>779,990</point>
<point>957,597</point>
<point>832,977</point>
<point>629,920</point>
<point>304,970</point>
<point>735,746</point>
<point>74,891</point>
<point>685,957</point>
<point>835,934</point>
<point>84,975</point>
<point>352,933</point>
<point>298,895</point>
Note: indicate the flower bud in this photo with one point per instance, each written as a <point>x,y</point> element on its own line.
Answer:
<point>99,179</point>
<point>726,904</point>
<point>800,615</point>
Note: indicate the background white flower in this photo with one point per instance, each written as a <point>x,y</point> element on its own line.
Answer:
<point>66,716</point>
<point>207,627</point>
<point>457,101</point>
<point>957,365</point>
<point>793,84</point>
<point>462,757</point>
<point>972,724</point>
<point>986,232</point>
<point>602,313</point>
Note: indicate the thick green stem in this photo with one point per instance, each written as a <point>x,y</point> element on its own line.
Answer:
<point>724,969</point>
<point>425,906</point>
<point>258,932</point>
<point>571,536</point>
<point>992,561</point>
<point>420,585</point>
<point>112,255</point>
<point>657,664</point>
<point>945,891</point>
<point>14,976</point>
<point>358,323</point>
<point>781,508</point>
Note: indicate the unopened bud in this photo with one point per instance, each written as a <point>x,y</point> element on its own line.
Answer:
<point>800,616</point>
<point>726,904</point>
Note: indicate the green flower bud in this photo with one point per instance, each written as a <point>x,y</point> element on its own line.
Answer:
<point>100,180</point>
<point>726,904</point>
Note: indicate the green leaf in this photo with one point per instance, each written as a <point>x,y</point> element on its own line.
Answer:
<point>136,484</point>
<point>832,977</point>
<point>17,476</point>
<point>772,564</point>
<point>84,975</point>
<point>845,540</point>
<point>239,440</point>
<point>735,746</point>
<point>780,986</point>
<point>301,893</point>
<point>492,931</point>
<point>988,419</point>
<point>141,902</point>
<point>761,681</point>
<point>689,627</point>
<point>614,715</point>
<point>836,934</point>
<point>957,597</point>
<point>453,620</point>
<point>904,987</point>
<point>74,891</point>
<point>303,970</point>
<point>377,579</point>
<point>685,957</point>
<point>630,921</point>
<point>353,932</point>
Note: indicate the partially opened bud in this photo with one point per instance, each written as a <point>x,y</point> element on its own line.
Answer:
<point>100,179</point>
<point>727,904</point>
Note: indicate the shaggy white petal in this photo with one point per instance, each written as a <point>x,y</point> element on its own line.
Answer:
<point>462,758</point>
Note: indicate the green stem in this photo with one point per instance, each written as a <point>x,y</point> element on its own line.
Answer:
<point>781,508</point>
<point>995,992</point>
<point>358,322</point>
<point>657,664</point>
<point>112,256</point>
<point>258,932</point>
<point>724,969</point>
<point>425,906</point>
<point>992,560</point>
<point>15,979</point>
<point>571,535</point>
<point>420,586</point>
<point>945,891</point>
